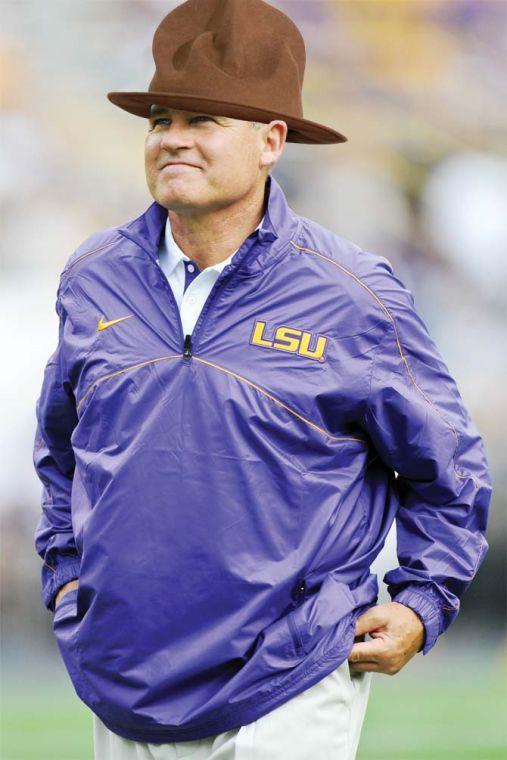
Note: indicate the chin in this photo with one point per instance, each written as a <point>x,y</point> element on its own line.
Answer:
<point>177,199</point>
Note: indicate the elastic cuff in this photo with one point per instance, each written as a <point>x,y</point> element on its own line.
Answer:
<point>428,611</point>
<point>53,580</point>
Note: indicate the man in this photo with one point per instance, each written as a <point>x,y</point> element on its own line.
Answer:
<point>240,404</point>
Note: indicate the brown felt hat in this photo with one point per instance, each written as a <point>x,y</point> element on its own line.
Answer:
<point>239,58</point>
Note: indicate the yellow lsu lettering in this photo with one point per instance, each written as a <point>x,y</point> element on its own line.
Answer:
<point>289,339</point>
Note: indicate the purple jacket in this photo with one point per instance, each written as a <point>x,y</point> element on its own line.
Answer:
<point>221,496</point>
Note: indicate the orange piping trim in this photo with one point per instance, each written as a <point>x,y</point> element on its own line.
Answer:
<point>229,372</point>
<point>125,369</point>
<point>277,401</point>
<point>84,255</point>
<point>390,316</point>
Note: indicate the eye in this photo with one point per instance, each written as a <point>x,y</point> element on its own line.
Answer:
<point>194,118</point>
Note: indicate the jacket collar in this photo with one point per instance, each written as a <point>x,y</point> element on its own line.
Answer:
<point>170,254</point>
<point>258,251</point>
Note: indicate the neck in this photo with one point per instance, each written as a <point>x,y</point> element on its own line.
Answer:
<point>210,238</point>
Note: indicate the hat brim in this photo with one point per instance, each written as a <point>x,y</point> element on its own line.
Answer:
<point>299,130</point>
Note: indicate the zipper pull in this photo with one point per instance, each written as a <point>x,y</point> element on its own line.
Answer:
<point>187,351</point>
<point>299,592</point>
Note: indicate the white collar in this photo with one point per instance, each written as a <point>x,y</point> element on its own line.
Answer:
<point>172,254</point>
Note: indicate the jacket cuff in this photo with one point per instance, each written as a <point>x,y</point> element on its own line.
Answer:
<point>427,608</point>
<point>54,579</point>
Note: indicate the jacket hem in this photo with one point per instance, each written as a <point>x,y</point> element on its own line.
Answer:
<point>252,709</point>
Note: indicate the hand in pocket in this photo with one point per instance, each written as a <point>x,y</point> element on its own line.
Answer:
<point>64,589</point>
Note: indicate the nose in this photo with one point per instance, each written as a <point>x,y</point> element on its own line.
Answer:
<point>175,136</point>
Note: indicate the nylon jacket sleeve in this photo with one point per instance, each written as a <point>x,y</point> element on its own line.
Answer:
<point>420,427</point>
<point>54,463</point>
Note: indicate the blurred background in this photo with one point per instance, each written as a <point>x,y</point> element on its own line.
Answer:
<point>419,89</point>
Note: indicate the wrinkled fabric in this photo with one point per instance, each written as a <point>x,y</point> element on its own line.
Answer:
<point>323,722</point>
<point>221,497</point>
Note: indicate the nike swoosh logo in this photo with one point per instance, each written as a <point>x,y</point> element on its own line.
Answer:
<point>104,325</point>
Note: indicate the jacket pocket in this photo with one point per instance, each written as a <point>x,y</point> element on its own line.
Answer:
<point>65,629</point>
<point>316,619</point>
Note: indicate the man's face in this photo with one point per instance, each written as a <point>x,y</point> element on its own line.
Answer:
<point>225,156</point>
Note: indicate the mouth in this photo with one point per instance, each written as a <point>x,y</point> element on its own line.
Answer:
<point>179,165</point>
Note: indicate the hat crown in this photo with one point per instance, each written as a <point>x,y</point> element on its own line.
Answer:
<point>244,50</point>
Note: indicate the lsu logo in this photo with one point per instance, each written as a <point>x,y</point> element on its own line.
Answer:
<point>290,339</point>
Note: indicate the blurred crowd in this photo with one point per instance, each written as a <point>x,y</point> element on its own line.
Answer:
<point>417,86</point>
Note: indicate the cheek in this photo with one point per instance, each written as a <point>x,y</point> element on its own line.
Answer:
<point>151,150</point>
<point>243,157</point>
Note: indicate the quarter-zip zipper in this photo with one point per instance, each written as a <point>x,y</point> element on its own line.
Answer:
<point>211,295</point>
<point>187,339</point>
<point>173,297</point>
<point>164,279</point>
<point>217,285</point>
<point>187,351</point>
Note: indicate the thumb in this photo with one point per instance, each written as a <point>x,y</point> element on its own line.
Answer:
<point>369,621</point>
<point>366,650</point>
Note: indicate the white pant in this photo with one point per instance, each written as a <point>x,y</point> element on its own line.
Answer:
<point>322,722</point>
